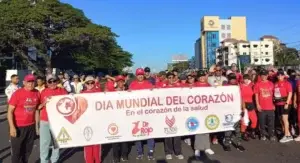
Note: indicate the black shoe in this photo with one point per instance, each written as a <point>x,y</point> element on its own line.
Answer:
<point>240,148</point>
<point>227,148</point>
<point>252,135</point>
<point>245,137</point>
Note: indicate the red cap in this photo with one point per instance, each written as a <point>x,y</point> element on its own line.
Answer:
<point>29,77</point>
<point>139,71</point>
<point>120,77</point>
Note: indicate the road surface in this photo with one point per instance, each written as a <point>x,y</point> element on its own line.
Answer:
<point>257,152</point>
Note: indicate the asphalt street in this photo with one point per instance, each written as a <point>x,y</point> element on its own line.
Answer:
<point>257,152</point>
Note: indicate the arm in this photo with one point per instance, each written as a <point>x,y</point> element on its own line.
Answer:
<point>8,92</point>
<point>257,102</point>
<point>295,100</point>
<point>37,121</point>
<point>10,118</point>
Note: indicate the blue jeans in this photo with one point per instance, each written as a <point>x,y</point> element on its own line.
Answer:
<point>139,147</point>
<point>46,143</point>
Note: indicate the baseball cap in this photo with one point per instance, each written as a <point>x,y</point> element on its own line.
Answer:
<point>201,73</point>
<point>182,77</point>
<point>50,76</point>
<point>89,78</point>
<point>147,69</point>
<point>264,72</point>
<point>29,77</point>
<point>139,71</point>
<point>120,77</point>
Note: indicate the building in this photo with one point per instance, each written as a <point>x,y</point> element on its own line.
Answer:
<point>179,58</point>
<point>213,31</point>
<point>245,52</point>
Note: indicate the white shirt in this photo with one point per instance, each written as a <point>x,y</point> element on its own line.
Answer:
<point>77,87</point>
<point>67,85</point>
<point>10,90</point>
<point>216,81</point>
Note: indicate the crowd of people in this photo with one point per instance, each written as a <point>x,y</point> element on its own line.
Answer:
<point>270,98</point>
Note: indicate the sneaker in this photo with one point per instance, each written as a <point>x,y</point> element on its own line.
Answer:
<point>180,157</point>
<point>297,138</point>
<point>286,139</point>
<point>124,158</point>
<point>227,148</point>
<point>245,137</point>
<point>215,141</point>
<point>209,151</point>
<point>151,155</point>
<point>252,135</point>
<point>197,154</point>
<point>273,138</point>
<point>263,138</point>
<point>169,157</point>
<point>240,148</point>
<point>188,141</point>
<point>139,157</point>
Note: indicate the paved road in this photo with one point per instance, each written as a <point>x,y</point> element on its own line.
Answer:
<point>257,152</point>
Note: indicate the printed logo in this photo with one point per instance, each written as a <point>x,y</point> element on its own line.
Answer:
<point>171,129</point>
<point>228,121</point>
<point>113,131</point>
<point>72,109</point>
<point>88,133</point>
<point>141,128</point>
<point>212,122</point>
<point>192,124</point>
<point>63,136</point>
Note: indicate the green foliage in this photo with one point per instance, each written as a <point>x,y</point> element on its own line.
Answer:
<point>287,57</point>
<point>181,66</point>
<point>74,40</point>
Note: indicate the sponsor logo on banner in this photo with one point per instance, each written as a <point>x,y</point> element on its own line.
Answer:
<point>88,133</point>
<point>141,128</point>
<point>212,122</point>
<point>192,124</point>
<point>228,121</point>
<point>63,136</point>
<point>113,131</point>
<point>72,109</point>
<point>170,122</point>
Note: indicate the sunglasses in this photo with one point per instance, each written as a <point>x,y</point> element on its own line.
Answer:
<point>90,83</point>
<point>170,77</point>
<point>51,81</point>
<point>218,70</point>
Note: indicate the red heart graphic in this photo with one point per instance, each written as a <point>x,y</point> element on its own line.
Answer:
<point>113,129</point>
<point>81,107</point>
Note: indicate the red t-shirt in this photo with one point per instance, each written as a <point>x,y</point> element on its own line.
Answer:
<point>136,85</point>
<point>247,92</point>
<point>110,85</point>
<point>25,102</point>
<point>47,92</point>
<point>239,77</point>
<point>200,84</point>
<point>265,90</point>
<point>161,84</point>
<point>282,89</point>
<point>98,85</point>
<point>298,91</point>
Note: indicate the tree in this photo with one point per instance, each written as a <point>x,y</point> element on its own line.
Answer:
<point>287,57</point>
<point>181,66</point>
<point>62,35</point>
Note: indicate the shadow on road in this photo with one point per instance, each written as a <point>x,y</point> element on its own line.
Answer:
<point>65,155</point>
<point>3,120</point>
<point>4,157</point>
<point>203,159</point>
<point>4,149</point>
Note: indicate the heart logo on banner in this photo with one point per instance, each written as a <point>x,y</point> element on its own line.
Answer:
<point>113,129</point>
<point>72,109</point>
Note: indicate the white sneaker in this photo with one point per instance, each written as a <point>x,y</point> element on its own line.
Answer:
<point>209,151</point>
<point>188,141</point>
<point>180,157</point>
<point>297,138</point>
<point>286,139</point>
<point>169,157</point>
<point>197,153</point>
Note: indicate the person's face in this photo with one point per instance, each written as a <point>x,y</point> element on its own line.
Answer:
<point>60,77</point>
<point>29,85</point>
<point>246,81</point>
<point>147,73</point>
<point>163,77</point>
<point>264,77</point>
<point>97,79</point>
<point>120,84</point>
<point>171,79</point>
<point>140,78</point>
<point>234,68</point>
<point>76,79</point>
<point>280,77</point>
<point>52,84</point>
<point>191,79</point>
<point>40,82</point>
<point>233,81</point>
<point>90,85</point>
<point>82,76</point>
<point>202,79</point>
<point>15,80</point>
<point>218,71</point>
<point>175,73</point>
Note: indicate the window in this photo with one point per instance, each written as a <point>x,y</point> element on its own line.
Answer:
<point>223,27</point>
<point>255,46</point>
<point>267,53</point>
<point>267,60</point>
<point>255,60</point>
<point>228,35</point>
<point>213,35</point>
<point>244,53</point>
<point>244,46</point>
<point>262,52</point>
<point>223,35</point>
<point>228,27</point>
<point>266,45</point>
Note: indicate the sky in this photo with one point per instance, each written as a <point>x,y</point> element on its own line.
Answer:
<point>154,30</point>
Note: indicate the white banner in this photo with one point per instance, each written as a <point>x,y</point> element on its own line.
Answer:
<point>99,118</point>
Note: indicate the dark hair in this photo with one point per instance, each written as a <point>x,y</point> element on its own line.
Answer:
<point>40,78</point>
<point>246,76</point>
<point>13,76</point>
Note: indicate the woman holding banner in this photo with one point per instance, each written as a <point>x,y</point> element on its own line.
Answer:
<point>139,84</point>
<point>92,153</point>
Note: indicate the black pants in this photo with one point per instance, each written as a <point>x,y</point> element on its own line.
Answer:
<point>21,146</point>
<point>269,117</point>
<point>234,136</point>
<point>120,148</point>
<point>173,143</point>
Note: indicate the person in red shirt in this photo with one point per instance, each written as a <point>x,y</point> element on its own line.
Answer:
<point>264,91</point>
<point>183,80</point>
<point>190,80</point>
<point>249,106</point>
<point>202,80</point>
<point>162,80</point>
<point>297,106</point>
<point>139,84</point>
<point>110,83</point>
<point>22,107</point>
<point>92,153</point>
<point>238,75</point>
<point>283,93</point>
<point>45,134</point>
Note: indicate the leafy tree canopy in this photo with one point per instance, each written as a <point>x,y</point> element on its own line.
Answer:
<point>287,57</point>
<point>51,26</point>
